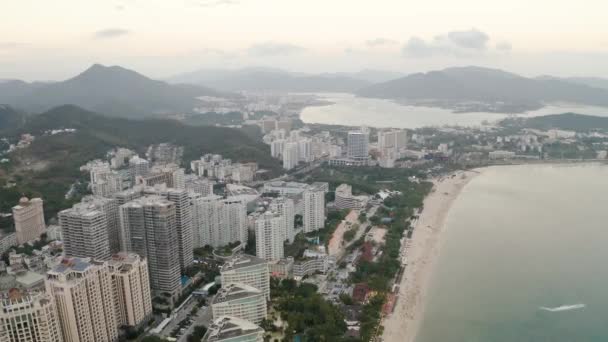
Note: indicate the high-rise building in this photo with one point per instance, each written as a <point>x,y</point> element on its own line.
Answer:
<point>314,210</point>
<point>109,206</point>
<point>138,167</point>
<point>233,222</point>
<point>286,208</point>
<point>241,301</point>
<point>205,219</point>
<point>29,219</point>
<point>357,144</point>
<point>233,329</point>
<point>149,228</point>
<point>218,222</point>
<point>269,236</point>
<point>132,285</point>
<point>392,139</point>
<point>201,186</point>
<point>183,221</point>
<point>276,148</point>
<point>290,155</point>
<point>248,270</point>
<point>29,317</point>
<point>85,298</point>
<point>85,232</point>
<point>305,150</point>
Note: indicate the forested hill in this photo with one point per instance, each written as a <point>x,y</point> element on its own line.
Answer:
<point>51,163</point>
<point>566,121</point>
<point>111,90</point>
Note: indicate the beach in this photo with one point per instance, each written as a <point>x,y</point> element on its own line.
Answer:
<point>422,252</point>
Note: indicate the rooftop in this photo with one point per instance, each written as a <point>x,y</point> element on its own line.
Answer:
<point>230,327</point>
<point>235,291</point>
<point>242,261</point>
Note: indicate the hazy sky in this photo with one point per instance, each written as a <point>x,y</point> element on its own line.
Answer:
<point>44,39</point>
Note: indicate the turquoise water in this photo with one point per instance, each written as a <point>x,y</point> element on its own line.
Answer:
<point>520,238</point>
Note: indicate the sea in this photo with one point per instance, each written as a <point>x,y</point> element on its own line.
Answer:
<point>523,258</point>
<point>349,110</point>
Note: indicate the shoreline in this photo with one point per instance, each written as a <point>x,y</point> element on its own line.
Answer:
<point>424,248</point>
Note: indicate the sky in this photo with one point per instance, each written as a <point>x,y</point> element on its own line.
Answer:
<point>54,40</point>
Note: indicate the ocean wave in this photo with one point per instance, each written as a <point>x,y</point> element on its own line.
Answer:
<point>563,308</point>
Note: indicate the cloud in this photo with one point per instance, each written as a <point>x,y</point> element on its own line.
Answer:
<point>214,3</point>
<point>274,49</point>
<point>418,47</point>
<point>380,42</point>
<point>454,43</point>
<point>110,33</point>
<point>471,39</point>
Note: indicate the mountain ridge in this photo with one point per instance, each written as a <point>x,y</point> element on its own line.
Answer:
<point>112,90</point>
<point>499,89</point>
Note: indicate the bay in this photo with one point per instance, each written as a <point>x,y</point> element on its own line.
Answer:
<point>349,110</point>
<point>523,258</point>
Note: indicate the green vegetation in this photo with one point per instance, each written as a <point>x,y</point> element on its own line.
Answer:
<point>334,218</point>
<point>306,312</point>
<point>51,164</point>
<point>368,180</point>
<point>567,121</point>
<point>212,119</point>
<point>370,318</point>
<point>197,334</point>
<point>349,235</point>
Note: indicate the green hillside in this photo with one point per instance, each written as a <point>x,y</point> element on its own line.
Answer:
<point>51,164</point>
<point>567,121</point>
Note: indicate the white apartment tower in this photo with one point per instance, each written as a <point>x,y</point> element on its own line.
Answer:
<point>286,208</point>
<point>85,232</point>
<point>132,289</point>
<point>218,222</point>
<point>233,222</point>
<point>29,317</point>
<point>240,300</point>
<point>183,221</point>
<point>205,219</point>
<point>305,150</point>
<point>314,210</point>
<point>269,236</point>
<point>138,167</point>
<point>248,270</point>
<point>148,228</point>
<point>291,155</point>
<point>357,144</point>
<point>85,298</point>
<point>29,219</point>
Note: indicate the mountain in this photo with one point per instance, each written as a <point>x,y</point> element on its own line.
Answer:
<point>496,90</point>
<point>10,118</point>
<point>254,79</point>
<point>10,90</point>
<point>595,82</point>
<point>370,75</point>
<point>111,90</point>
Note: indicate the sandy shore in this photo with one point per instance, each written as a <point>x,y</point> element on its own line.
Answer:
<point>424,247</point>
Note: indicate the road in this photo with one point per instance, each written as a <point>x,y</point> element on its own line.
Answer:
<point>203,317</point>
